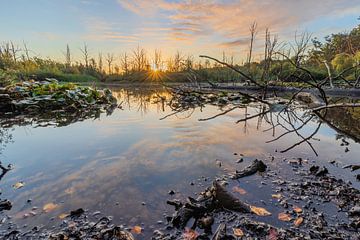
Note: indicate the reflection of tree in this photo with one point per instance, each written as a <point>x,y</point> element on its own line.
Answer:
<point>141,98</point>
<point>289,119</point>
<point>5,138</point>
<point>345,121</point>
<point>58,118</point>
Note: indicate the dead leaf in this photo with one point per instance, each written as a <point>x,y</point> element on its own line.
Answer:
<point>297,209</point>
<point>189,234</point>
<point>277,196</point>
<point>238,232</point>
<point>284,217</point>
<point>273,234</point>
<point>239,190</point>
<point>18,185</point>
<point>49,207</point>
<point>136,229</point>
<point>63,215</point>
<point>298,221</point>
<point>259,211</point>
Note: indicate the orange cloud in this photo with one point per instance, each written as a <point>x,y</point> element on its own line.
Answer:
<point>231,19</point>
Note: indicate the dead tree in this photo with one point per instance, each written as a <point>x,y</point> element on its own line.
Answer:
<point>140,61</point>
<point>26,50</point>
<point>85,53</point>
<point>67,55</point>
<point>253,32</point>
<point>328,67</point>
<point>100,62</point>
<point>14,50</point>
<point>124,59</point>
<point>157,60</point>
<point>110,60</point>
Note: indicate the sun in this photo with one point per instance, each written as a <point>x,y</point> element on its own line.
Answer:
<point>155,74</point>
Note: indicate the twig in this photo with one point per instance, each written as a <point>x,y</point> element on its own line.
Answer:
<point>341,105</point>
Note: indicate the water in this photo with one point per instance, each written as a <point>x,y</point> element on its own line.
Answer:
<point>125,164</point>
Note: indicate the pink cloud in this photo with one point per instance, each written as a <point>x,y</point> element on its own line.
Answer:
<point>231,19</point>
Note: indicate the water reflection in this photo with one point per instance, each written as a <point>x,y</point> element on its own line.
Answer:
<point>125,163</point>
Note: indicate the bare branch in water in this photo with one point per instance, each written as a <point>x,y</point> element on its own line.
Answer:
<point>234,69</point>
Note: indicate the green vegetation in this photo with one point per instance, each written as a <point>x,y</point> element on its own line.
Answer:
<point>337,58</point>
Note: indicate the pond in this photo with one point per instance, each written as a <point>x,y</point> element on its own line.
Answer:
<point>124,164</point>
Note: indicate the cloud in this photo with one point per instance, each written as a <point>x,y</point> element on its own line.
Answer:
<point>230,19</point>
<point>235,43</point>
<point>48,35</point>
<point>99,30</point>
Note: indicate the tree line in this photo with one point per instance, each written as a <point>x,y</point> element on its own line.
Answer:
<point>336,58</point>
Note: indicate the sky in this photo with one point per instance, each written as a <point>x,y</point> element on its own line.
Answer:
<point>192,27</point>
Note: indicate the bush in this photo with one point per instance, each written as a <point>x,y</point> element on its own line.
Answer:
<point>7,78</point>
<point>60,76</point>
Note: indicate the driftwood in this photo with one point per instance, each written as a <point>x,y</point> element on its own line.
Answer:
<point>256,166</point>
<point>5,205</point>
<point>215,197</point>
<point>228,201</point>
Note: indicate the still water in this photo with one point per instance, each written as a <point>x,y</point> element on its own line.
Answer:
<point>124,164</point>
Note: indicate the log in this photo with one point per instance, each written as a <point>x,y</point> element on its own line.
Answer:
<point>226,200</point>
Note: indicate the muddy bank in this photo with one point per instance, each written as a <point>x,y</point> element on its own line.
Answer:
<point>312,205</point>
<point>217,213</point>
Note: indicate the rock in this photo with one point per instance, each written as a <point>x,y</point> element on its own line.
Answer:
<point>354,211</point>
<point>206,222</point>
<point>5,205</point>
<point>77,212</point>
<point>319,172</point>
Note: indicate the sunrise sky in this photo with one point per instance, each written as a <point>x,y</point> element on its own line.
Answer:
<point>193,27</point>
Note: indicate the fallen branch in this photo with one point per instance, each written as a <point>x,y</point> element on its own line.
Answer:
<point>341,105</point>
<point>234,69</point>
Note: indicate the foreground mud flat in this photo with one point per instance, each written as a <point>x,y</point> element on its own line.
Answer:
<point>220,213</point>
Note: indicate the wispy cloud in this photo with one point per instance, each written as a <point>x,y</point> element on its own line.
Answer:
<point>230,19</point>
<point>235,43</point>
<point>99,29</point>
<point>48,35</point>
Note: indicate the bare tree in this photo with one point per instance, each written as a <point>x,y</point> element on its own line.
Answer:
<point>328,67</point>
<point>125,63</point>
<point>14,50</point>
<point>85,53</point>
<point>177,61</point>
<point>110,60</point>
<point>300,47</point>
<point>100,62</point>
<point>253,32</point>
<point>67,55</point>
<point>157,59</point>
<point>140,60</point>
<point>26,50</point>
